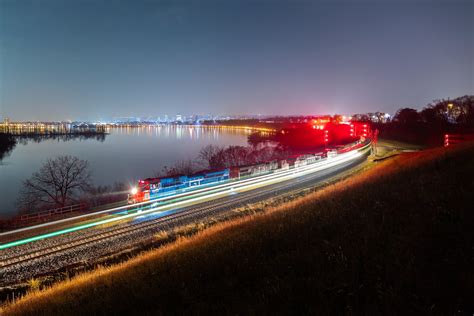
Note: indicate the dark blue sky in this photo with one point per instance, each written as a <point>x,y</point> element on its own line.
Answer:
<point>103,59</point>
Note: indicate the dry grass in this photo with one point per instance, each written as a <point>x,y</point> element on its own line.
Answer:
<point>396,239</point>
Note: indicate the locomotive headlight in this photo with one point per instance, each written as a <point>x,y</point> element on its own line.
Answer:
<point>134,191</point>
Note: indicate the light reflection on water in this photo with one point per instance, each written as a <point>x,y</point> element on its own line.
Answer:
<point>184,131</point>
<point>126,155</point>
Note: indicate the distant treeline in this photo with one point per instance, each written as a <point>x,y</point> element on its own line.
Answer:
<point>425,127</point>
<point>430,124</point>
<point>7,143</point>
<point>30,128</point>
<point>38,138</point>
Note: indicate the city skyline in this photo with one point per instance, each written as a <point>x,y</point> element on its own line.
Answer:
<point>80,61</point>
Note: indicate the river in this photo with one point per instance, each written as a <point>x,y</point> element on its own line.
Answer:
<point>123,155</point>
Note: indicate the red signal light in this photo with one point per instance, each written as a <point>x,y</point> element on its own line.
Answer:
<point>446,140</point>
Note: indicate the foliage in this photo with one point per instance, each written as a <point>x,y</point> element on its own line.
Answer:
<point>217,157</point>
<point>407,116</point>
<point>7,144</point>
<point>429,125</point>
<point>233,156</point>
<point>457,111</point>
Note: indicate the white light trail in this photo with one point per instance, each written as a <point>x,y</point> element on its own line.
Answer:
<point>212,191</point>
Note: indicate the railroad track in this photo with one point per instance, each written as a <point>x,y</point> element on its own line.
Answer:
<point>105,235</point>
<point>133,227</point>
<point>206,208</point>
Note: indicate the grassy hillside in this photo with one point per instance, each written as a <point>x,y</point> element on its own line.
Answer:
<point>396,239</point>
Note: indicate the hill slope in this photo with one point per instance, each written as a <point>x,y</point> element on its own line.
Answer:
<point>396,239</point>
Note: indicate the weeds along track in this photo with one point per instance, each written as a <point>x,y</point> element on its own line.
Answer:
<point>202,210</point>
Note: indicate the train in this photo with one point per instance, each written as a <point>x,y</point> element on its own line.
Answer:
<point>153,188</point>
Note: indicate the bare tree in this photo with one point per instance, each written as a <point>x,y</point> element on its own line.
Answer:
<point>263,154</point>
<point>212,156</point>
<point>185,167</point>
<point>235,156</point>
<point>57,184</point>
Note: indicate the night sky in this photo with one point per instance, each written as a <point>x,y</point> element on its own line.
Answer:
<point>104,59</point>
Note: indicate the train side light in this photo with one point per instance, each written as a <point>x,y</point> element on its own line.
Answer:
<point>134,191</point>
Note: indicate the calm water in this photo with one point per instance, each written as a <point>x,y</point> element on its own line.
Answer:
<point>124,156</point>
